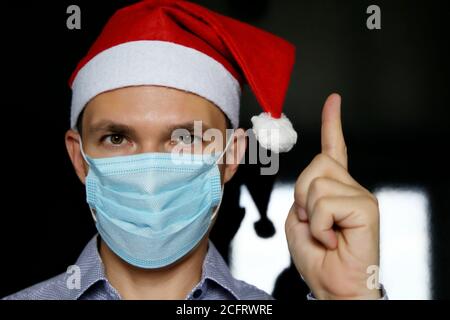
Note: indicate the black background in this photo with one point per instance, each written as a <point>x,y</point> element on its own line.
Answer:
<point>394,84</point>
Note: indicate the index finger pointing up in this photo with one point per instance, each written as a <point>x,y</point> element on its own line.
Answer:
<point>333,143</point>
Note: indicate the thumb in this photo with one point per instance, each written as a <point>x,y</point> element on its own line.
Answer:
<point>333,143</point>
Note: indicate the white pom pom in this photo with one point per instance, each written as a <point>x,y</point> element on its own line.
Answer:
<point>274,134</point>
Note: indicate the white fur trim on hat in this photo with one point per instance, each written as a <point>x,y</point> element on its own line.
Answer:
<point>151,62</point>
<point>274,134</point>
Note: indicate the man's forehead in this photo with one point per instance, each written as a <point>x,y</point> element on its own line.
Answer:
<point>134,106</point>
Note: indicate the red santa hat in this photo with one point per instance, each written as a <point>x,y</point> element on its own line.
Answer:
<point>178,44</point>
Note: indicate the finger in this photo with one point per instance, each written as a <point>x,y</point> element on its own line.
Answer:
<point>301,212</point>
<point>321,166</point>
<point>326,187</point>
<point>299,237</point>
<point>333,143</point>
<point>344,212</point>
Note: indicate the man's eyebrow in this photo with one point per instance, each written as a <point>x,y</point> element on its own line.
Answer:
<point>111,126</point>
<point>189,125</point>
<point>120,128</point>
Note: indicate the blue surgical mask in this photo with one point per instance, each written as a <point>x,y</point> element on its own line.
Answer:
<point>152,209</point>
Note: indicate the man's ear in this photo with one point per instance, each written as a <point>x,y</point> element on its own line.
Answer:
<point>235,154</point>
<point>72,140</point>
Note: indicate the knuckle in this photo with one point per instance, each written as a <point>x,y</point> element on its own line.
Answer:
<point>300,197</point>
<point>318,184</point>
<point>320,205</point>
<point>317,190</point>
<point>372,206</point>
<point>373,200</point>
<point>301,179</point>
<point>321,158</point>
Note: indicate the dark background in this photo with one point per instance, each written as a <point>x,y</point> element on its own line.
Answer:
<point>394,84</point>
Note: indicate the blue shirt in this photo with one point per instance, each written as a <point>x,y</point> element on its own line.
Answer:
<point>216,282</point>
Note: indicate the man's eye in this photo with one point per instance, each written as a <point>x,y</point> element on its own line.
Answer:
<point>188,139</point>
<point>115,139</point>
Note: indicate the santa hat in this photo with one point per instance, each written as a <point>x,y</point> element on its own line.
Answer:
<point>182,45</point>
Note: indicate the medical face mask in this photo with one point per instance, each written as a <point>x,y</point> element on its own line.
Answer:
<point>152,209</point>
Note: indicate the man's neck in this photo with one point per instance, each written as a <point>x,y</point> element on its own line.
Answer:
<point>173,282</point>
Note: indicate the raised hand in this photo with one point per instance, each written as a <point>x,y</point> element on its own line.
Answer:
<point>333,225</point>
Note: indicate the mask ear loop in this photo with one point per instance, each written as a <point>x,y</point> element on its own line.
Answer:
<point>93,211</point>
<point>225,149</point>
<point>213,216</point>
<point>82,152</point>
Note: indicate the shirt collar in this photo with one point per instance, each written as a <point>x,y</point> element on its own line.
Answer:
<point>215,269</point>
<point>92,270</point>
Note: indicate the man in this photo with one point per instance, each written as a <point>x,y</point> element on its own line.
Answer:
<point>153,184</point>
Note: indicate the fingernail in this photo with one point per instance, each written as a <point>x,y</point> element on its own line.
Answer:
<point>302,214</point>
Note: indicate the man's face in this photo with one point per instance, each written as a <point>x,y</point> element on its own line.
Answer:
<point>143,119</point>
